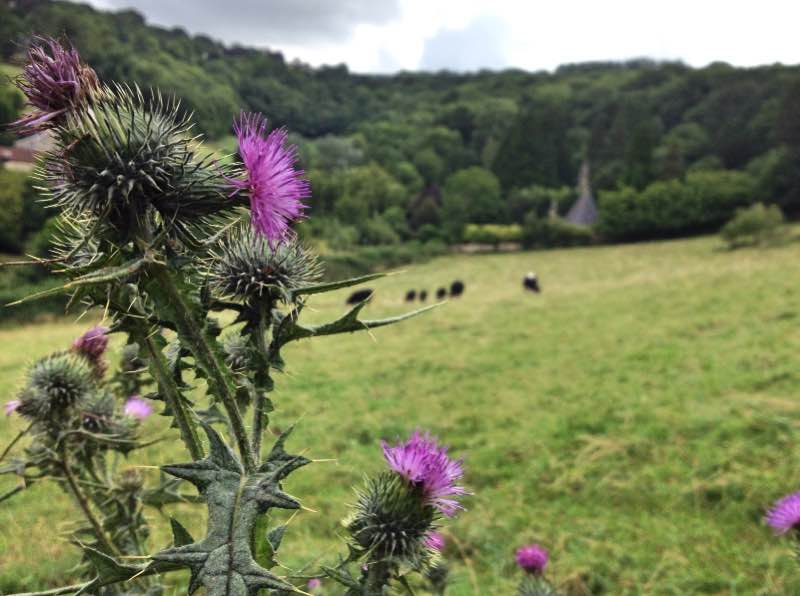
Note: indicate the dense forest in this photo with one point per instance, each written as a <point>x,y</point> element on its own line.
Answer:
<point>418,156</point>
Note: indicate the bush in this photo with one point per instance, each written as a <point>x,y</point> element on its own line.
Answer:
<point>701,203</point>
<point>492,233</point>
<point>13,186</point>
<point>377,231</point>
<point>376,258</point>
<point>757,225</point>
<point>550,233</point>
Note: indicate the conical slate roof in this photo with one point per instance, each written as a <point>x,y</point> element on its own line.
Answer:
<point>584,211</point>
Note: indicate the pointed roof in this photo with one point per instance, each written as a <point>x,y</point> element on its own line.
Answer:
<point>584,211</point>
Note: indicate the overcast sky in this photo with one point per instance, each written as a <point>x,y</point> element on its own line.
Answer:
<point>391,35</point>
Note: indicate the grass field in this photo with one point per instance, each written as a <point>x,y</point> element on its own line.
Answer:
<point>636,418</point>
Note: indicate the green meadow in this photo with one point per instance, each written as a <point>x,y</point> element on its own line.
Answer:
<point>636,418</point>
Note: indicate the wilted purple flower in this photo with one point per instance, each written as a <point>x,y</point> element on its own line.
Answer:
<point>785,514</point>
<point>532,558</point>
<point>272,182</point>
<point>54,81</point>
<point>137,407</point>
<point>434,541</point>
<point>422,462</point>
<point>313,584</point>
<point>11,406</point>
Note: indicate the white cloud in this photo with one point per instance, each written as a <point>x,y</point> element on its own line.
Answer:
<point>394,34</point>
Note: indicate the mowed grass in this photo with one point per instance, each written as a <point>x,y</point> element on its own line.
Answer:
<point>636,418</point>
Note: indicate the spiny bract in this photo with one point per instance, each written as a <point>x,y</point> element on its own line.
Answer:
<point>244,267</point>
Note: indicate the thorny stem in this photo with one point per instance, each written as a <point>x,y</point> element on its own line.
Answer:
<point>261,394</point>
<point>378,574</point>
<point>219,377</point>
<point>83,502</point>
<point>159,368</point>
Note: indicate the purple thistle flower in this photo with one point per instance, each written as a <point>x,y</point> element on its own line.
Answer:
<point>93,343</point>
<point>434,541</point>
<point>785,514</point>
<point>272,182</point>
<point>11,406</point>
<point>422,462</point>
<point>532,558</point>
<point>313,584</point>
<point>136,407</point>
<point>54,82</point>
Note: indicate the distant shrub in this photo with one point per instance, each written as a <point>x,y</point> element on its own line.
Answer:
<point>13,187</point>
<point>492,233</point>
<point>757,225</point>
<point>540,232</point>
<point>377,231</point>
<point>701,203</point>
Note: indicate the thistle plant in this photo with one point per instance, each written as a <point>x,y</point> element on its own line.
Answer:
<point>533,559</point>
<point>196,267</point>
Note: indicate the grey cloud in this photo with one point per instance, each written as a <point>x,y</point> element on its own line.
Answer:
<point>481,44</point>
<point>264,22</point>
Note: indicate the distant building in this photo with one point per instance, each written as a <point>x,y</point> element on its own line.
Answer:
<point>584,211</point>
<point>22,155</point>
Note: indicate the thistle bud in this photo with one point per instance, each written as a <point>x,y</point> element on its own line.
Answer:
<point>237,352</point>
<point>55,384</point>
<point>130,480</point>
<point>246,268</point>
<point>92,345</point>
<point>392,519</point>
<point>536,586</point>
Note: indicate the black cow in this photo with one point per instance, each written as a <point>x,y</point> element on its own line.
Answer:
<point>456,288</point>
<point>411,295</point>
<point>423,295</point>
<point>441,293</point>
<point>531,282</point>
<point>360,296</point>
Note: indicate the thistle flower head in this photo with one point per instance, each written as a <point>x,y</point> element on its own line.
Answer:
<point>271,181</point>
<point>92,345</point>
<point>54,81</point>
<point>11,406</point>
<point>131,161</point>
<point>55,384</point>
<point>314,585</point>
<point>392,520</point>
<point>785,514</point>
<point>423,463</point>
<point>138,408</point>
<point>244,266</point>
<point>532,558</point>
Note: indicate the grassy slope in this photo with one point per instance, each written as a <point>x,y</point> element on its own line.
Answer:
<point>636,418</point>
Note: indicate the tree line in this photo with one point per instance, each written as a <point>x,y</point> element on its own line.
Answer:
<point>673,150</point>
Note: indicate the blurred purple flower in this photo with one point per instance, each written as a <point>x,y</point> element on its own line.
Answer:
<point>11,406</point>
<point>138,407</point>
<point>54,81</point>
<point>785,514</point>
<point>532,558</point>
<point>273,184</point>
<point>422,462</point>
<point>313,584</point>
<point>434,541</point>
<point>92,345</point>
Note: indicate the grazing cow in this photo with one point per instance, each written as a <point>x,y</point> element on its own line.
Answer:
<point>441,293</point>
<point>360,296</point>
<point>423,295</point>
<point>531,282</point>
<point>456,288</point>
<point>411,295</point>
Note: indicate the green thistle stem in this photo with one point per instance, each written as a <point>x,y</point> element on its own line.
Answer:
<point>159,368</point>
<point>378,575</point>
<point>83,502</point>
<point>207,357</point>
<point>262,375</point>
